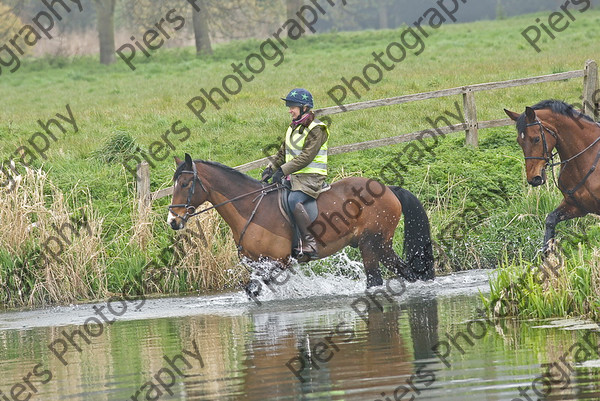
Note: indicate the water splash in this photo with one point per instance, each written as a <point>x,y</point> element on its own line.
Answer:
<point>339,275</point>
<point>335,275</point>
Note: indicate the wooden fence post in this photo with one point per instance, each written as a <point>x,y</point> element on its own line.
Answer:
<point>143,185</point>
<point>590,89</point>
<point>142,232</point>
<point>470,117</point>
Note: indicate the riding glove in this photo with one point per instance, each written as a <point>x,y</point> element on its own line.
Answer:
<point>266,174</point>
<point>278,176</point>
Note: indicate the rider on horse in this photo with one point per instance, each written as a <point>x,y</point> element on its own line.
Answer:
<point>302,159</point>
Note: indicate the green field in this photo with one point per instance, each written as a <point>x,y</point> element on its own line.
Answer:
<point>482,189</point>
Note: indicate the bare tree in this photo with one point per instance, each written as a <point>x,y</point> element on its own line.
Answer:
<point>383,16</point>
<point>230,20</point>
<point>292,7</point>
<point>210,19</point>
<point>144,13</point>
<point>9,22</point>
<point>201,29</point>
<point>105,9</point>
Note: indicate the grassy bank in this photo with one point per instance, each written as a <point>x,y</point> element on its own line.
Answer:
<point>565,283</point>
<point>479,203</point>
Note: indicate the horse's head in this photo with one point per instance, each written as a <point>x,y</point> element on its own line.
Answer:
<point>188,193</point>
<point>537,146</point>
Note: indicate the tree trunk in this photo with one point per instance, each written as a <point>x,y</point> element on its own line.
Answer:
<point>105,9</point>
<point>383,17</point>
<point>201,32</point>
<point>292,7</point>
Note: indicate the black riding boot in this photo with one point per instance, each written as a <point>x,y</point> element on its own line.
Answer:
<point>308,251</point>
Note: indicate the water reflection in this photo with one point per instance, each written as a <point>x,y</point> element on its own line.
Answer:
<point>305,349</point>
<point>423,319</point>
<point>322,352</point>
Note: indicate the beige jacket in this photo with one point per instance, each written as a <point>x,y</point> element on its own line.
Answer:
<point>310,184</point>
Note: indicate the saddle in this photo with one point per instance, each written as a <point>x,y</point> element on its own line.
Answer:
<point>286,210</point>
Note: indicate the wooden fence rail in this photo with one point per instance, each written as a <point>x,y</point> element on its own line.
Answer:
<point>471,125</point>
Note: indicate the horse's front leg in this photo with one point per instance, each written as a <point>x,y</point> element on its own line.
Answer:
<point>564,211</point>
<point>270,272</point>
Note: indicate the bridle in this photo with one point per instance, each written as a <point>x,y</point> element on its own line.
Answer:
<point>548,157</point>
<point>189,209</point>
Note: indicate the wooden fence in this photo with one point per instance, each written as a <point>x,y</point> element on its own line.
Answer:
<point>471,124</point>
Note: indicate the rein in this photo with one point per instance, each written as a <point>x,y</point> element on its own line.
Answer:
<point>549,158</point>
<point>264,190</point>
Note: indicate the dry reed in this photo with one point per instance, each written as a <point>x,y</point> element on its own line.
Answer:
<point>207,253</point>
<point>52,256</point>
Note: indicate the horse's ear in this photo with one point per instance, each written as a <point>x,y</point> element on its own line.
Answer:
<point>530,113</point>
<point>178,161</point>
<point>188,160</point>
<point>514,116</point>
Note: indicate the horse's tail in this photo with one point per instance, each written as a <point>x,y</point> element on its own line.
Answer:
<point>418,252</point>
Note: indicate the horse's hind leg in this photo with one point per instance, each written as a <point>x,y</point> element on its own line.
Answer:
<point>393,262</point>
<point>370,249</point>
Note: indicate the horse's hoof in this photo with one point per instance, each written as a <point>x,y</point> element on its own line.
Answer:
<point>407,274</point>
<point>549,248</point>
<point>374,281</point>
<point>253,288</point>
<point>304,257</point>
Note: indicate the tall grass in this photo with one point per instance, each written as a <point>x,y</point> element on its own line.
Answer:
<point>53,253</point>
<point>207,254</point>
<point>571,286</point>
<point>50,253</point>
<point>201,257</point>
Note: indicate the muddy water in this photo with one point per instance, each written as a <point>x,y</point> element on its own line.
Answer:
<point>304,341</point>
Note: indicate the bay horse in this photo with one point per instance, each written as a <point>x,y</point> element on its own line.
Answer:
<point>553,124</point>
<point>355,211</point>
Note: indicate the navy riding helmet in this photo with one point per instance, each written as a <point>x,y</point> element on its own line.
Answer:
<point>299,97</point>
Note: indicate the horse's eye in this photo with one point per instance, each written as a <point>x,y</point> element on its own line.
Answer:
<point>536,139</point>
<point>185,184</point>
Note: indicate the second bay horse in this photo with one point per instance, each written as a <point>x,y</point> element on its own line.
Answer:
<point>553,124</point>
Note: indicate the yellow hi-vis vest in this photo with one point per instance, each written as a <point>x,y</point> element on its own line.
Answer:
<point>294,142</point>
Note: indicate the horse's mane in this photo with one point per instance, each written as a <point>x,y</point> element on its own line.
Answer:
<point>228,169</point>
<point>556,106</point>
